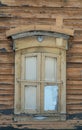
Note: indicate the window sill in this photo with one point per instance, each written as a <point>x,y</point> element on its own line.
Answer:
<point>23,117</point>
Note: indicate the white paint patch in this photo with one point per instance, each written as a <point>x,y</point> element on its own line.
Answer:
<point>50,97</point>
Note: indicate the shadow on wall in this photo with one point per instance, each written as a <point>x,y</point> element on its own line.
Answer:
<point>11,128</point>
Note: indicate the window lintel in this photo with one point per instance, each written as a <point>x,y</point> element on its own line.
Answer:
<point>40,33</point>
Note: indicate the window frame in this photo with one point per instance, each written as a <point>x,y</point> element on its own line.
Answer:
<point>25,82</point>
<point>44,55</point>
<point>58,49</point>
<point>40,82</point>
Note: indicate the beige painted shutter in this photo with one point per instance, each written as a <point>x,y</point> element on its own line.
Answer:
<point>30,68</point>
<point>30,89</point>
<point>50,88</point>
<point>30,74</point>
<point>50,69</point>
<point>30,97</point>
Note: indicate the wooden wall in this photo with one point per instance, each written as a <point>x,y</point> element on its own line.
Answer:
<point>24,12</point>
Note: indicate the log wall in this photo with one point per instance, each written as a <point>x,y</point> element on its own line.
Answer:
<point>25,12</point>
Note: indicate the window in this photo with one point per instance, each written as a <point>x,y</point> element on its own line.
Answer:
<point>39,84</point>
<point>40,76</point>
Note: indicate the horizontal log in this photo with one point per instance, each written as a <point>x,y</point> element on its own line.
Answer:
<point>74,65</point>
<point>28,21</point>
<point>6,98</point>
<point>42,3</point>
<point>74,83</point>
<point>74,107</point>
<point>75,49</point>
<point>6,69</point>
<point>74,72</point>
<point>74,111</point>
<point>79,97</point>
<point>6,86</point>
<point>6,102</point>
<point>74,87</point>
<point>74,102</point>
<point>6,47</point>
<point>3,107</point>
<point>7,58</point>
<point>2,36</point>
<point>74,91</point>
<point>74,59</point>
<point>70,14</point>
<point>6,79</point>
<point>74,45</point>
<point>9,102</point>
<point>45,27</point>
<point>7,91</point>
<point>73,23</point>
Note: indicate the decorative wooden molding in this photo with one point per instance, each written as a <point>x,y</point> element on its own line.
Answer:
<point>40,33</point>
<point>51,28</point>
<point>58,28</point>
<point>32,42</point>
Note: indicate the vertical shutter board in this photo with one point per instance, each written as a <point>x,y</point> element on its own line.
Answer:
<point>49,64</point>
<point>17,104</point>
<point>50,68</point>
<point>30,97</point>
<point>63,78</point>
<point>50,75</point>
<point>30,92</point>
<point>30,68</point>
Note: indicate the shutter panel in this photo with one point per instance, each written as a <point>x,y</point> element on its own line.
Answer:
<point>30,68</point>
<point>30,97</point>
<point>50,68</point>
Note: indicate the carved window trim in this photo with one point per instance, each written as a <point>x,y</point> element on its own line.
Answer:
<point>58,46</point>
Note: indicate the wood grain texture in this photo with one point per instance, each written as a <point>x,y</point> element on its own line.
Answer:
<point>43,12</point>
<point>43,3</point>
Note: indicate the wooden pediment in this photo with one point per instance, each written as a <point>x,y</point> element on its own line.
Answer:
<point>58,28</point>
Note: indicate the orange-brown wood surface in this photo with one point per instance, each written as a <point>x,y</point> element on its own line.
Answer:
<point>26,12</point>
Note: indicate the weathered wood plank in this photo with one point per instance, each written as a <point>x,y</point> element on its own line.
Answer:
<point>72,102</point>
<point>74,65</point>
<point>6,69</point>
<point>6,98</point>
<point>74,107</point>
<point>6,79</point>
<point>74,111</point>
<point>75,49</point>
<point>74,91</point>
<point>6,87</point>
<point>45,27</point>
<point>7,58</point>
<point>74,58</point>
<point>69,15</point>
<point>41,12</point>
<point>74,87</point>
<point>3,107</point>
<point>6,47</point>
<point>74,72</point>
<point>79,97</point>
<point>7,91</point>
<point>43,3</point>
<point>74,83</point>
